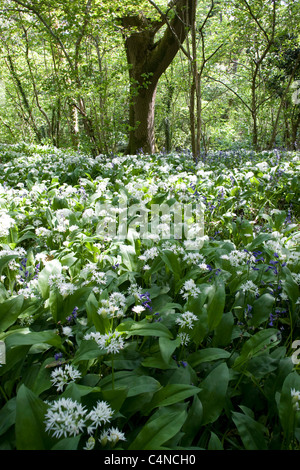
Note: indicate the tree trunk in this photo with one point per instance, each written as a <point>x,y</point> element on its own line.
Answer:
<point>141,121</point>
<point>147,61</point>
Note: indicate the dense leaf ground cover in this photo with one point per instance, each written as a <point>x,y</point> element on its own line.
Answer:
<point>148,343</point>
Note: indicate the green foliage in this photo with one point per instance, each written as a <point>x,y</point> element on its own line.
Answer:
<point>64,75</point>
<point>146,343</point>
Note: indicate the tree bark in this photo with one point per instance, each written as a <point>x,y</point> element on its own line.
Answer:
<point>147,61</point>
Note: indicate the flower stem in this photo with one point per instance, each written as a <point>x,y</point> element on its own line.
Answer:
<point>112,374</point>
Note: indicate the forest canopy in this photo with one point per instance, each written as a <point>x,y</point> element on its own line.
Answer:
<point>101,76</point>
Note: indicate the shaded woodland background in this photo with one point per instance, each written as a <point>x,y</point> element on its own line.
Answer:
<point>72,74</point>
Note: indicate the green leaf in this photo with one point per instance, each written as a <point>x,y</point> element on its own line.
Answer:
<point>143,328</point>
<point>290,287</point>
<point>258,241</point>
<point>161,427</point>
<point>128,257</point>
<point>192,424</point>
<point>286,411</point>
<point>213,393</point>
<point>28,235</point>
<point>115,398</point>
<point>14,356</point>
<point>200,329</point>
<point>77,299</point>
<point>43,381</point>
<point>157,362</point>
<point>52,267</point>
<point>257,344</point>
<point>30,427</point>
<point>68,443</point>
<point>223,332</point>
<point>59,203</point>
<point>29,338</point>
<point>216,304</point>
<point>171,260</point>
<point>56,304</point>
<point>9,311</point>
<point>136,384</point>
<point>7,415</point>
<point>251,432</point>
<point>207,355</point>
<point>167,347</point>
<point>260,366</point>
<point>87,350</point>
<point>170,394</point>
<point>262,307</point>
<point>68,260</point>
<point>128,358</point>
<point>5,259</point>
<point>214,442</point>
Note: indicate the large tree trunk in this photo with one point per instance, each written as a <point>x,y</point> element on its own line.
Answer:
<point>141,121</point>
<point>147,61</point>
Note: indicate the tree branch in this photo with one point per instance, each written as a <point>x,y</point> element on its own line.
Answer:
<point>234,92</point>
<point>173,38</point>
<point>49,29</point>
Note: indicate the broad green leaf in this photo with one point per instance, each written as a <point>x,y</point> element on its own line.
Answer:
<point>216,304</point>
<point>170,394</point>
<point>286,411</point>
<point>160,428</point>
<point>115,398</point>
<point>289,285</point>
<point>87,350</point>
<point>207,355</point>
<point>68,260</point>
<point>143,328</point>
<point>258,241</point>
<point>14,358</point>
<point>102,324</point>
<point>28,235</point>
<point>55,303</point>
<point>30,427</point>
<point>52,267</point>
<point>68,443</point>
<point>7,415</point>
<point>257,344</point>
<point>192,424</point>
<point>262,308</point>
<point>213,393</point>
<point>260,366</point>
<point>5,259</point>
<point>171,260</point>
<point>77,392</point>
<point>223,332</point>
<point>59,203</point>
<point>9,311</point>
<point>157,362</point>
<point>29,338</point>
<point>167,347</point>
<point>136,384</point>
<point>77,299</point>
<point>200,329</point>
<point>128,257</point>
<point>251,432</point>
<point>43,381</point>
<point>214,442</point>
<point>127,359</point>
<point>91,307</point>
